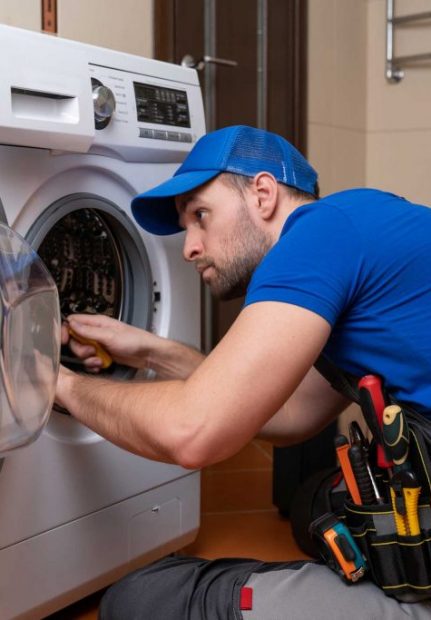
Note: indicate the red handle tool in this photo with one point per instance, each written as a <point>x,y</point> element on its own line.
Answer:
<point>372,401</point>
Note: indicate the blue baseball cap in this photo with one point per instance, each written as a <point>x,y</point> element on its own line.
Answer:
<point>238,149</point>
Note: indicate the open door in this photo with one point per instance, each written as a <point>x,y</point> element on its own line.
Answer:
<point>251,59</point>
<point>29,341</point>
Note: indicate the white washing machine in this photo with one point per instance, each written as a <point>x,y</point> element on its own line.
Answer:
<point>82,130</point>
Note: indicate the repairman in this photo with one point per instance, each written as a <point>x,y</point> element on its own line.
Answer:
<point>348,275</point>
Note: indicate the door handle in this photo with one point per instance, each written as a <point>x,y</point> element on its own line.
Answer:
<point>190,62</point>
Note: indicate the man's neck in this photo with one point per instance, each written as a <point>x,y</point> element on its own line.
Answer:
<point>287,207</point>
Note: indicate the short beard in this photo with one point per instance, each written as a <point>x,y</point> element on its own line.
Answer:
<point>248,245</point>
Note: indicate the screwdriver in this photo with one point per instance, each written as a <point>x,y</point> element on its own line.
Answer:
<point>357,438</point>
<point>405,489</point>
<point>405,492</point>
<point>342,448</point>
<point>363,480</point>
<point>396,435</point>
<point>372,402</point>
<point>100,351</point>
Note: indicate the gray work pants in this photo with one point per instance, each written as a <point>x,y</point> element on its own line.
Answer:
<point>185,588</point>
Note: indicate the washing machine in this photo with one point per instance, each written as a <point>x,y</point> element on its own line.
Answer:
<point>83,130</point>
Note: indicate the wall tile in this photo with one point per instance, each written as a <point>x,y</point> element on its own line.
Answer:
<point>127,26</point>
<point>240,490</point>
<point>407,7</point>
<point>338,155</point>
<point>404,105</point>
<point>401,162</point>
<point>252,456</point>
<point>337,62</point>
<point>265,536</point>
<point>319,151</point>
<point>350,65</point>
<point>23,14</point>
<point>348,158</point>
<point>321,60</point>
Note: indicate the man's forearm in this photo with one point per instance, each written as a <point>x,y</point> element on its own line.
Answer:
<point>173,360</point>
<point>129,415</point>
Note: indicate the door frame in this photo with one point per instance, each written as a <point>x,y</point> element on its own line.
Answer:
<point>165,15</point>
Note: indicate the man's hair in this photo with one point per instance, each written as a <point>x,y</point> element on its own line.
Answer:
<point>240,183</point>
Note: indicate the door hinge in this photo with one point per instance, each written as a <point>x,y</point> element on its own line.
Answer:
<point>49,16</point>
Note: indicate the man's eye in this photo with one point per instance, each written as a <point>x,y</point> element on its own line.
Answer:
<point>200,214</point>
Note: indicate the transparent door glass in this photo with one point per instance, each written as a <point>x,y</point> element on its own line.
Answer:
<point>29,342</point>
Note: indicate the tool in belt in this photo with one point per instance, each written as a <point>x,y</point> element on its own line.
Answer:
<point>383,530</point>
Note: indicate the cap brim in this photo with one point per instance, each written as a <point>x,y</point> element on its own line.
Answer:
<point>155,210</point>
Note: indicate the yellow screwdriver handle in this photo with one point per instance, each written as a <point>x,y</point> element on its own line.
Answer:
<point>100,351</point>
<point>411,498</point>
<point>400,522</point>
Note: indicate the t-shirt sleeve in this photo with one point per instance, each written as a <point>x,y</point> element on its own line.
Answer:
<point>316,264</point>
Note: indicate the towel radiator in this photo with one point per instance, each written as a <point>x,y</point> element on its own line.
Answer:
<point>395,64</point>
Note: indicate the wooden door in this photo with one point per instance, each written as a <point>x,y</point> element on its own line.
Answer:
<point>267,88</point>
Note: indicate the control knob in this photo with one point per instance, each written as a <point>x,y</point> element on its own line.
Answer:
<point>104,104</point>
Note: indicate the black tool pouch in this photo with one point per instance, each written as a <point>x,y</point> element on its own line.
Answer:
<point>400,565</point>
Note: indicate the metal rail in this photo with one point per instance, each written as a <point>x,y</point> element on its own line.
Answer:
<point>395,64</point>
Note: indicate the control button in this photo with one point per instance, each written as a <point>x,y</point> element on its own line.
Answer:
<point>174,136</point>
<point>160,135</point>
<point>104,104</point>
<point>146,133</point>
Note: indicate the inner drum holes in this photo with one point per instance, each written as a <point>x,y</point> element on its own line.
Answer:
<point>83,257</point>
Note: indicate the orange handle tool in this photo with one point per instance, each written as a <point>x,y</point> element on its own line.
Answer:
<point>342,447</point>
<point>100,351</point>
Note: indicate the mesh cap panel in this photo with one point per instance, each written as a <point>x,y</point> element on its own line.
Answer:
<point>238,149</point>
<point>259,150</point>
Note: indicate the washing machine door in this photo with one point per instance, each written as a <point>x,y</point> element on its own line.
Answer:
<point>29,342</point>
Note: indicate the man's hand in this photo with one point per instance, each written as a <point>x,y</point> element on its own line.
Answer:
<point>129,345</point>
<point>126,344</point>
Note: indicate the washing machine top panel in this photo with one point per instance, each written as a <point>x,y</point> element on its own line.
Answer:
<point>69,96</point>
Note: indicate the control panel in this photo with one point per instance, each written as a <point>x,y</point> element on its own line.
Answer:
<point>106,103</point>
<point>164,106</point>
<point>151,111</point>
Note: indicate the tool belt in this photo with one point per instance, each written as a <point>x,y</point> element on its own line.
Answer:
<point>381,528</point>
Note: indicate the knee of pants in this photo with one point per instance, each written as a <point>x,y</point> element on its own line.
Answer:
<point>113,601</point>
<point>130,599</point>
<point>155,592</point>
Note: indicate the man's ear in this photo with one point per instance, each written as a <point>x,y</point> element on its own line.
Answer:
<point>267,193</point>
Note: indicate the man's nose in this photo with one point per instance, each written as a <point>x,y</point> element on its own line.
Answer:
<point>192,246</point>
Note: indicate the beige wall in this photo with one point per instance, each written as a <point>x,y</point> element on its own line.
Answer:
<point>398,115</point>
<point>362,129</point>
<point>126,26</point>
<point>21,13</point>
<point>337,92</point>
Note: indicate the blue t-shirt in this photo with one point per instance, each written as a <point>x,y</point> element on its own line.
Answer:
<point>362,260</point>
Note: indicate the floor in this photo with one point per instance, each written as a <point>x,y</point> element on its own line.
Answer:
<point>238,518</point>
